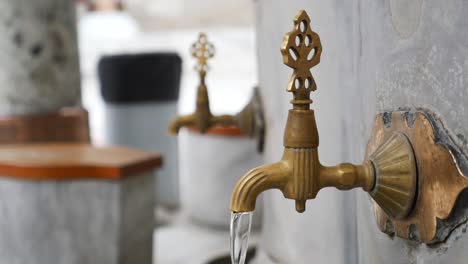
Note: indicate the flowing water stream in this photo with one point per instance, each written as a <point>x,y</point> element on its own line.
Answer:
<point>240,233</point>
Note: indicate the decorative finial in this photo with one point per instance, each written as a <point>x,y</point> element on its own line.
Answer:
<point>301,50</point>
<point>202,50</point>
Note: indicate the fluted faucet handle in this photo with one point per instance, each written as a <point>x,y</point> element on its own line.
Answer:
<point>301,50</point>
<point>202,50</point>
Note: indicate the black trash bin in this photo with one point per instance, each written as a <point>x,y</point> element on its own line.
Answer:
<point>141,93</point>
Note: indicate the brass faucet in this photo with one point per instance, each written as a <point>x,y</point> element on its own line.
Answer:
<point>249,120</point>
<point>389,175</point>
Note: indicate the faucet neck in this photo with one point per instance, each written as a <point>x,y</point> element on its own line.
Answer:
<point>301,129</point>
<point>202,113</point>
<point>202,75</point>
<point>203,101</point>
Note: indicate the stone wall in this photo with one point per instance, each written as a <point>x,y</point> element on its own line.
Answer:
<point>377,56</point>
<point>412,54</point>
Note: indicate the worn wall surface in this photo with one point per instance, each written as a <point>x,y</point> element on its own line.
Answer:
<point>77,221</point>
<point>377,56</point>
<point>39,69</point>
<point>412,54</point>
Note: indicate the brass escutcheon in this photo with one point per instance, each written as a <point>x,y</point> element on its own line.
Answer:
<point>440,180</point>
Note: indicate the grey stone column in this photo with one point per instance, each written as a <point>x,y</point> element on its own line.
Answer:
<point>377,56</point>
<point>39,68</point>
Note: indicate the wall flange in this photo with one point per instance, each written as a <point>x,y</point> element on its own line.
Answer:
<point>440,180</point>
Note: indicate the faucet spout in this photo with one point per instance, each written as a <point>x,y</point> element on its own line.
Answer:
<point>179,122</point>
<point>256,181</point>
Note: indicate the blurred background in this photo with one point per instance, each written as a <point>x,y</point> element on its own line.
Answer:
<point>110,27</point>
<point>114,73</point>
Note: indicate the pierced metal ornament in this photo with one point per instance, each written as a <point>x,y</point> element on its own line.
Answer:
<point>301,50</point>
<point>202,50</point>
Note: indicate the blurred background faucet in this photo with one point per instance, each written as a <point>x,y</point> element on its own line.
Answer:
<point>249,119</point>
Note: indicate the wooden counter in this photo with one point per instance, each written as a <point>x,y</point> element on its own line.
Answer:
<point>63,161</point>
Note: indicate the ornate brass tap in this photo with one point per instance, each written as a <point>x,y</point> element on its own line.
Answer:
<point>412,169</point>
<point>249,120</point>
<point>389,174</point>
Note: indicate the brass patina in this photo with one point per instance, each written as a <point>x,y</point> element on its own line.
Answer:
<point>389,174</point>
<point>249,120</point>
<point>440,179</point>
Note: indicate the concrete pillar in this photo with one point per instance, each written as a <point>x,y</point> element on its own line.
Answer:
<point>76,204</point>
<point>39,69</point>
